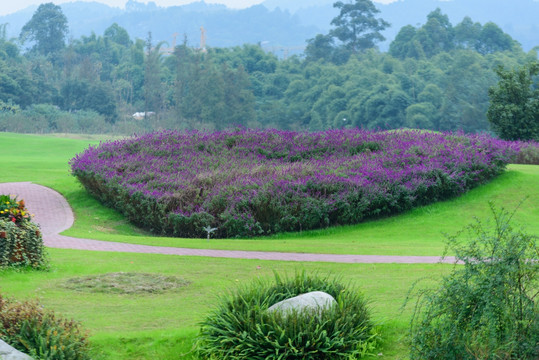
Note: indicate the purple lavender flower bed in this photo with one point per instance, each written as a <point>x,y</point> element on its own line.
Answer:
<point>254,182</point>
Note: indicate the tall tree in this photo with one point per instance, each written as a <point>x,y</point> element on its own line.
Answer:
<point>404,46</point>
<point>514,103</point>
<point>48,28</point>
<point>437,34</point>
<point>492,39</point>
<point>153,94</point>
<point>467,33</point>
<point>117,34</point>
<point>356,25</point>
<point>320,47</point>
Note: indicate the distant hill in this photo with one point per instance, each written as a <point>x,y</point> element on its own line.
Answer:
<point>518,18</point>
<point>224,27</point>
<point>277,23</point>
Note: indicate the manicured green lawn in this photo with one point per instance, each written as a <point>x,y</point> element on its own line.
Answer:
<point>161,326</point>
<point>164,326</point>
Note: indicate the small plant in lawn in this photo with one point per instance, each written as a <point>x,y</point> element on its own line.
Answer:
<point>40,333</point>
<point>21,242</point>
<point>209,230</point>
<point>487,308</point>
<point>242,328</point>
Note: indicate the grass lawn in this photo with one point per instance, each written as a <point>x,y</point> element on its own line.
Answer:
<point>163,326</point>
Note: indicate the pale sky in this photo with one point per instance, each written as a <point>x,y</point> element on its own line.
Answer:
<point>11,6</point>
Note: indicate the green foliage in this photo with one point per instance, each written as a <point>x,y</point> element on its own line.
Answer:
<point>488,308</point>
<point>528,155</point>
<point>242,328</point>
<point>48,28</point>
<point>44,119</point>
<point>43,335</point>
<point>437,35</point>
<point>9,107</point>
<point>356,29</point>
<point>356,25</point>
<point>117,34</point>
<point>514,103</point>
<point>13,314</point>
<point>321,47</point>
<point>153,87</point>
<point>79,95</point>
<point>21,242</point>
<point>51,338</point>
<point>435,76</point>
<point>214,88</point>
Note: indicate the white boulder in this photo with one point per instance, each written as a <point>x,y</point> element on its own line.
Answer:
<point>314,301</point>
<point>9,353</point>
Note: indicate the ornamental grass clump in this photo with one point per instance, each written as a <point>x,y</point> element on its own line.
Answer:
<point>487,308</point>
<point>21,242</point>
<point>42,334</point>
<point>241,327</point>
<point>259,182</point>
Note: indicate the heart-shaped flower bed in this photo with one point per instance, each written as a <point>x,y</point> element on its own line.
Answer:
<point>258,182</point>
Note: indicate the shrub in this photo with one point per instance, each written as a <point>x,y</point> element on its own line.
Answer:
<point>13,314</point>
<point>488,308</point>
<point>21,242</point>
<point>45,119</point>
<point>254,182</point>
<point>242,328</point>
<point>528,154</point>
<point>43,335</point>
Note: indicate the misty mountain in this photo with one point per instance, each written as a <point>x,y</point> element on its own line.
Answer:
<point>224,27</point>
<point>277,23</point>
<point>518,18</point>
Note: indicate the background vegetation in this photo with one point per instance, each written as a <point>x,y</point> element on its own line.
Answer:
<point>434,76</point>
<point>163,325</point>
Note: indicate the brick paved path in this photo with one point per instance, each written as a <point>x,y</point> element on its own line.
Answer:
<point>54,215</point>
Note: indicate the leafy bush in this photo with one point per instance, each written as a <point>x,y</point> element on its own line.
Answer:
<point>13,314</point>
<point>528,154</point>
<point>21,242</point>
<point>252,182</point>
<point>43,335</point>
<point>44,119</point>
<point>242,328</point>
<point>488,308</point>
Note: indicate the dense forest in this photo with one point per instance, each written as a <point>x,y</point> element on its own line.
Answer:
<point>434,76</point>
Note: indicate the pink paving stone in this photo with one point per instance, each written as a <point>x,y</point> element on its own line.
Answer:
<point>54,215</point>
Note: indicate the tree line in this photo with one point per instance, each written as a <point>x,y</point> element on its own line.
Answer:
<point>435,76</point>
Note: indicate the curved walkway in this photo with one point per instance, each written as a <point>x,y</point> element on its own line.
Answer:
<point>54,215</point>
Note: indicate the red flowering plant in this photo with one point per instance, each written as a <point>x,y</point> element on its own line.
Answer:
<point>13,210</point>
<point>21,241</point>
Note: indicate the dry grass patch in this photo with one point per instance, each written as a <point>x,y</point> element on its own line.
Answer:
<point>125,283</point>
